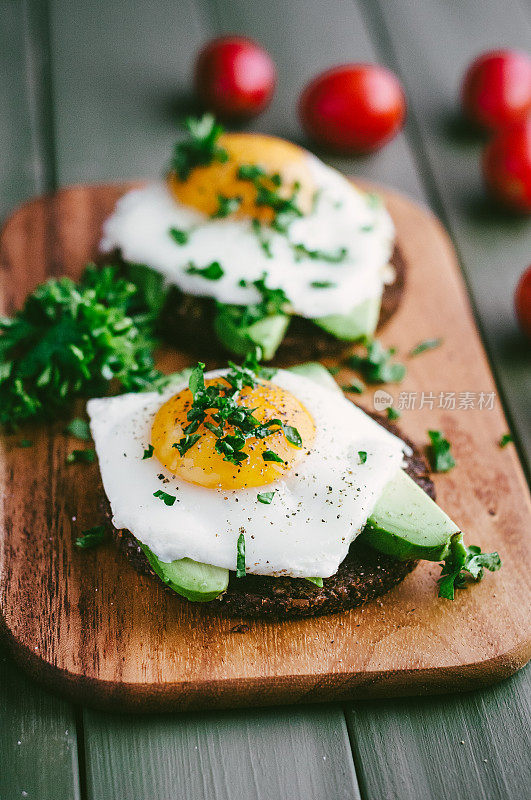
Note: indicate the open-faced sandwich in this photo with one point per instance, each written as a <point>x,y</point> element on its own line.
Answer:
<point>263,244</point>
<point>269,493</point>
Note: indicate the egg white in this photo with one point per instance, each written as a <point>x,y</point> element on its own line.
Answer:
<point>318,509</point>
<point>343,216</point>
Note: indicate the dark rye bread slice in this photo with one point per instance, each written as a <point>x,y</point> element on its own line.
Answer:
<point>363,575</point>
<point>187,322</point>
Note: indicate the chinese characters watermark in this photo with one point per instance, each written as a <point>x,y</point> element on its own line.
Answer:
<point>449,401</point>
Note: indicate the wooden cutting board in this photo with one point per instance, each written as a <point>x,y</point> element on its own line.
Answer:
<point>87,625</point>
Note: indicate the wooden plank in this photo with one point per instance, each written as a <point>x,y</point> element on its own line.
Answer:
<point>38,743</point>
<point>432,43</point>
<point>412,750</point>
<point>267,755</point>
<point>173,654</point>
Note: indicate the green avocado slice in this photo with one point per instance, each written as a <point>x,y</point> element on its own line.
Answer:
<point>359,322</point>
<point>266,333</point>
<point>192,579</point>
<point>407,523</point>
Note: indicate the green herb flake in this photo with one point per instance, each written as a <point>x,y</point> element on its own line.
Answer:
<point>81,457</point>
<point>505,439</point>
<point>362,455</point>
<point>366,228</point>
<point>265,497</point>
<point>355,387</point>
<point>334,370</point>
<point>91,537</point>
<point>323,285</point>
<point>441,458</point>
<point>212,272</point>
<point>269,455</point>
<point>427,344</point>
<point>264,242</point>
<point>464,563</point>
<point>301,251</point>
<point>148,452</point>
<point>24,443</point>
<point>292,435</point>
<point>179,236</point>
<point>392,413</point>
<point>376,365</point>
<point>187,441</point>
<point>373,200</point>
<point>201,148</point>
<point>79,428</point>
<point>168,499</point>
<point>226,206</point>
<point>240,556</point>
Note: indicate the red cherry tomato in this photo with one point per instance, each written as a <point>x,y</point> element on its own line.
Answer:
<point>234,77</point>
<point>496,88</point>
<point>507,166</point>
<point>355,108</point>
<point>522,302</point>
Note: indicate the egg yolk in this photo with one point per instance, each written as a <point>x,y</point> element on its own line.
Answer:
<point>202,465</point>
<point>202,187</point>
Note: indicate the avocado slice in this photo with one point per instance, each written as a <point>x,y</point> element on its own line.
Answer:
<point>266,333</point>
<point>192,579</point>
<point>317,373</point>
<point>360,322</point>
<point>406,523</point>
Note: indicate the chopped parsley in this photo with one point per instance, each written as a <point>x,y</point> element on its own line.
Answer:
<point>273,302</point>
<point>179,236</point>
<point>464,563</point>
<point>323,285</point>
<point>25,443</point>
<point>91,537</point>
<point>240,556</point>
<point>362,455</point>
<point>505,439</point>
<point>376,366</point>
<point>265,497</point>
<point>263,241</point>
<point>187,441</point>
<point>373,200</point>
<point>285,209</point>
<point>168,499</point>
<point>366,228</point>
<point>71,339</point>
<point>148,452</point>
<point>212,272</point>
<point>81,457</point>
<point>334,370</point>
<point>441,458</point>
<point>201,148</point>
<point>79,428</point>
<point>392,413</point>
<point>231,423</point>
<point>269,455</point>
<point>227,206</point>
<point>427,344</point>
<point>301,251</point>
<point>356,387</point>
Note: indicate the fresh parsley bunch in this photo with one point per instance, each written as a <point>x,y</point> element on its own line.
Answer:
<point>464,563</point>
<point>71,339</point>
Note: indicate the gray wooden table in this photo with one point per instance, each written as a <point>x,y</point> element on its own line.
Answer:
<point>90,92</point>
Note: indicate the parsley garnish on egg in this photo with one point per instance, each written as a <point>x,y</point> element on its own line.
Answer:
<point>212,272</point>
<point>201,148</point>
<point>167,499</point>
<point>226,206</point>
<point>265,497</point>
<point>179,236</point>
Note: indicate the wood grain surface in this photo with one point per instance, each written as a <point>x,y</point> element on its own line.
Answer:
<point>86,623</point>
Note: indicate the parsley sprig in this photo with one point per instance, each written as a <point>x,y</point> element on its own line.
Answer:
<point>441,459</point>
<point>271,193</point>
<point>201,148</point>
<point>232,424</point>
<point>71,339</point>
<point>464,563</point>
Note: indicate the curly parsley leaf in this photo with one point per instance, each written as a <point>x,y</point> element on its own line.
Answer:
<point>167,499</point>
<point>226,206</point>
<point>376,365</point>
<point>240,556</point>
<point>505,439</point>
<point>392,413</point>
<point>464,563</point>
<point>427,344</point>
<point>200,148</point>
<point>70,340</point>
<point>441,459</point>
<point>179,236</point>
<point>91,537</point>
<point>187,441</point>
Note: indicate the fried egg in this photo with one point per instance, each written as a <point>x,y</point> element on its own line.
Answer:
<point>195,503</point>
<point>331,258</point>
